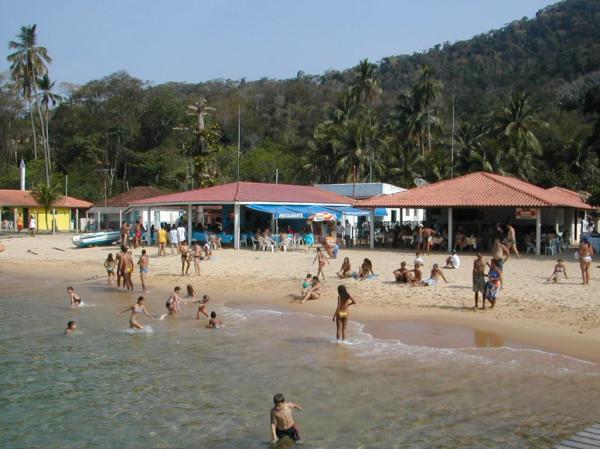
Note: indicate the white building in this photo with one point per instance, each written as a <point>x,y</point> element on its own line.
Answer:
<point>367,190</point>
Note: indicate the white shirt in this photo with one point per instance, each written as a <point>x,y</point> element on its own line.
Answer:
<point>173,236</point>
<point>455,260</point>
<point>32,223</point>
<point>181,233</point>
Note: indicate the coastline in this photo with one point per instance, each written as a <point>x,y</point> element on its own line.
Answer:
<point>414,318</point>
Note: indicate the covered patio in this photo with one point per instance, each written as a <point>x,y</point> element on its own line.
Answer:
<point>478,200</point>
<point>246,205</point>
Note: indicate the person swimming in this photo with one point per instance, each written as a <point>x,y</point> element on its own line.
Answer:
<point>71,326</point>
<point>341,315</point>
<point>74,298</point>
<point>136,309</point>
<point>214,323</point>
<point>173,302</point>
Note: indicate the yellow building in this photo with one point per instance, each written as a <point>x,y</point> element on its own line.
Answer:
<point>18,206</point>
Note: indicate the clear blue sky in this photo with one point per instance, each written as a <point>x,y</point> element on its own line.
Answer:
<point>198,40</point>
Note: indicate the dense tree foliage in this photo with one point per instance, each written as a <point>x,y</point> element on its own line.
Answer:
<point>525,101</point>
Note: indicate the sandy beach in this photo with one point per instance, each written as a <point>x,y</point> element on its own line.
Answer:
<point>563,317</point>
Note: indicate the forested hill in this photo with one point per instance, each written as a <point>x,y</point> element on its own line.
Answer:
<point>526,103</point>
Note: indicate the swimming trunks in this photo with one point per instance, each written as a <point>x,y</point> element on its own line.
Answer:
<point>479,283</point>
<point>291,433</point>
<point>430,282</point>
<point>144,270</point>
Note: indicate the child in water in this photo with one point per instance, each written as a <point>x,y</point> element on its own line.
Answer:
<point>559,271</point>
<point>71,326</point>
<point>74,298</point>
<point>213,323</point>
<point>282,420</point>
<point>109,264</point>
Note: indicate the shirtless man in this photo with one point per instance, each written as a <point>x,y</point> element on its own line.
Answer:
<point>498,253</point>
<point>434,277</point>
<point>428,234</point>
<point>185,258</point>
<point>196,254</point>
<point>479,278</point>
<point>128,270</point>
<point>282,420</point>
<point>119,263</point>
<point>125,233</point>
<point>143,263</point>
<point>137,236</point>
<point>511,240</point>
<point>417,276</point>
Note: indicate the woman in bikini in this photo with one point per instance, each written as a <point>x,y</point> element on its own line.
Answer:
<point>196,253</point>
<point>136,309</point>
<point>366,269</point>
<point>585,260</point>
<point>109,264</point>
<point>345,300</point>
<point>322,261</point>
<point>313,292</point>
<point>346,270</point>
<point>185,257</point>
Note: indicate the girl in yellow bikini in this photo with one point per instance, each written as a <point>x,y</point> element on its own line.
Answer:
<point>341,315</point>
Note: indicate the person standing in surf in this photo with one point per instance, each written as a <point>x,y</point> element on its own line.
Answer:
<point>143,263</point>
<point>282,420</point>
<point>173,302</point>
<point>345,300</point>
<point>136,309</point>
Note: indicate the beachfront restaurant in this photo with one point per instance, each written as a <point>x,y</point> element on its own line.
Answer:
<point>64,215</point>
<point>470,206</point>
<point>236,210</point>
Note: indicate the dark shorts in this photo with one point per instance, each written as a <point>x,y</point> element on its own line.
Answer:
<point>292,433</point>
<point>479,284</point>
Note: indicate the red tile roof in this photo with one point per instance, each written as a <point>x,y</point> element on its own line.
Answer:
<point>23,198</point>
<point>250,192</point>
<point>478,189</point>
<point>133,195</point>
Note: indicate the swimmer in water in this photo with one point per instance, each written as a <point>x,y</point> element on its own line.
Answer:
<point>74,298</point>
<point>71,326</point>
<point>213,323</point>
<point>173,302</point>
<point>202,302</point>
<point>136,309</point>
<point>341,315</point>
<point>282,420</point>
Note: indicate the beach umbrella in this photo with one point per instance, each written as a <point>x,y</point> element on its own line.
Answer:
<point>322,216</point>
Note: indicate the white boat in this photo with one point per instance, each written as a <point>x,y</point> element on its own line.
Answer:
<point>96,239</point>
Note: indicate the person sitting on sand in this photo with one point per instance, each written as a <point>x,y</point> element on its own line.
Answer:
<point>74,298</point>
<point>136,309</point>
<point>366,270</point>
<point>434,277</point>
<point>173,302</point>
<point>282,420</point>
<point>417,275</point>
<point>346,270</point>
<point>213,323</point>
<point>402,273</point>
<point>314,292</point>
<point>452,261</point>
<point>322,261</point>
<point>341,314</point>
<point>306,284</point>
<point>418,258</point>
<point>71,326</point>
<point>479,278</point>
<point>559,271</point>
<point>109,265</point>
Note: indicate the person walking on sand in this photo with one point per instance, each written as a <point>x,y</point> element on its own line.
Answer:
<point>181,233</point>
<point>479,278</point>
<point>136,309</point>
<point>163,236</point>
<point>322,261</point>
<point>185,258</point>
<point>585,260</point>
<point>143,263</point>
<point>174,242</point>
<point>342,312</point>
<point>32,226</point>
<point>125,233</point>
<point>196,254</point>
<point>511,240</point>
<point>137,234</point>
<point>282,419</point>
<point>19,223</point>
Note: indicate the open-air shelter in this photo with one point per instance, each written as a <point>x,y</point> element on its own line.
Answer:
<point>481,197</point>
<point>237,200</point>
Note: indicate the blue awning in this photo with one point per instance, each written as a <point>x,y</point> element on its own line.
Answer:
<point>380,212</point>
<point>297,212</point>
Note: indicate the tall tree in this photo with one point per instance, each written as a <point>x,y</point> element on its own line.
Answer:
<point>47,98</point>
<point>28,63</point>
<point>46,195</point>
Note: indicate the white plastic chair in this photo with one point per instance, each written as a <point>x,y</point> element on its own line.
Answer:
<point>286,243</point>
<point>550,247</point>
<point>255,243</point>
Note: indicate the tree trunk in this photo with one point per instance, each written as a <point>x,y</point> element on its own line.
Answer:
<point>33,130</point>
<point>44,140</point>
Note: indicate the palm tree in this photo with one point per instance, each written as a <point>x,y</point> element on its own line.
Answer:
<point>27,64</point>
<point>46,195</point>
<point>425,92</point>
<point>365,86</point>
<point>516,122</point>
<point>47,98</point>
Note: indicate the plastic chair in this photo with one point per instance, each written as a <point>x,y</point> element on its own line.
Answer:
<point>550,247</point>
<point>255,243</point>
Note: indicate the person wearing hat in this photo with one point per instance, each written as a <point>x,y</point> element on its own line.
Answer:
<point>453,261</point>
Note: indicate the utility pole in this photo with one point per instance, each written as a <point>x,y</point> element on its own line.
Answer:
<point>452,144</point>
<point>239,151</point>
<point>67,185</point>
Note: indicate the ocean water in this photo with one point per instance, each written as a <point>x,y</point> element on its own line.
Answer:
<point>185,386</point>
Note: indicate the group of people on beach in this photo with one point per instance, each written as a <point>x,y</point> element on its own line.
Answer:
<point>122,265</point>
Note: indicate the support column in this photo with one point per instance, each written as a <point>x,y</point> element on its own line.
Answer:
<point>120,218</point>
<point>98,220</point>
<point>77,221</point>
<point>450,230</point>
<point>189,224</point>
<point>15,217</point>
<point>372,228</point>
<point>538,232</point>
<point>556,224</point>
<point>53,221</point>
<point>236,226</point>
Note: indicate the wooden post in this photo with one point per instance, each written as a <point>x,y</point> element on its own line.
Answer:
<point>372,228</point>
<point>236,225</point>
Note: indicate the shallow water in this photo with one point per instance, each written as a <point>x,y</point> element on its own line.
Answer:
<point>184,386</point>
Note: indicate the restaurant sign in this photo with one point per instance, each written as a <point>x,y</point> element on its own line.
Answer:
<point>527,213</point>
